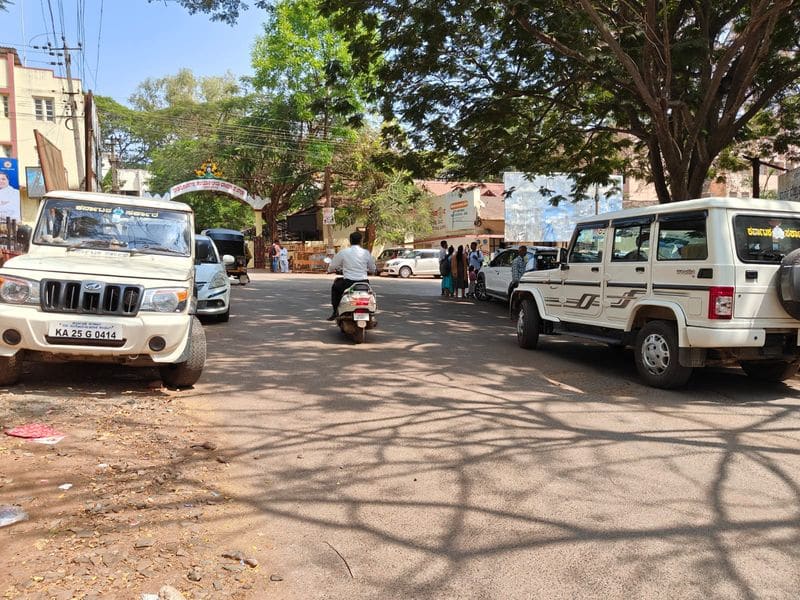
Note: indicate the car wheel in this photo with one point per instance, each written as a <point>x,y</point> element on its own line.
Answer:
<point>405,272</point>
<point>10,369</point>
<point>770,370</point>
<point>480,289</point>
<point>656,356</point>
<point>186,374</point>
<point>528,325</point>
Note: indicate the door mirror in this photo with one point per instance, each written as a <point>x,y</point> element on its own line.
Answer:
<point>563,256</point>
<point>228,260</point>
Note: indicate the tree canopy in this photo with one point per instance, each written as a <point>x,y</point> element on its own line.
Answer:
<point>588,87</point>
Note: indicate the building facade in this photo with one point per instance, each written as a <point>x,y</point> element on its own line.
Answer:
<point>33,98</point>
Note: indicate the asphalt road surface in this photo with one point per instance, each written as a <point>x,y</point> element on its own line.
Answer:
<point>439,460</point>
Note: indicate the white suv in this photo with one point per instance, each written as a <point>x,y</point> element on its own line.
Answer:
<point>685,284</point>
<point>106,279</point>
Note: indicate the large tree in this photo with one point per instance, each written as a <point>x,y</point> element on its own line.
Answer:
<point>586,87</point>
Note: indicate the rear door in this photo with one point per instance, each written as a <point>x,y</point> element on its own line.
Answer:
<point>761,241</point>
<point>428,262</point>
<point>628,269</point>
<point>582,289</point>
<point>493,273</point>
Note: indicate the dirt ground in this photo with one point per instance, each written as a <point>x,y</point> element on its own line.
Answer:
<point>143,503</point>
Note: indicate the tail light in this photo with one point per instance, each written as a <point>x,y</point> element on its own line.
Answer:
<point>360,298</point>
<point>720,302</point>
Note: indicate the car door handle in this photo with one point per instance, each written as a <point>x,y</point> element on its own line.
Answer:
<point>640,269</point>
<point>595,269</point>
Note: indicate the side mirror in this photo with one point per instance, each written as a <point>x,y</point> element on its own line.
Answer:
<point>228,260</point>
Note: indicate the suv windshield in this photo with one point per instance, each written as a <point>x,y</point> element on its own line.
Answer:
<point>765,238</point>
<point>75,224</point>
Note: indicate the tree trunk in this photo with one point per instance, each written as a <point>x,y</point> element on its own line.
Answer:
<point>371,231</point>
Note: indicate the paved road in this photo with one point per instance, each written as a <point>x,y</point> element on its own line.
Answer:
<point>439,460</point>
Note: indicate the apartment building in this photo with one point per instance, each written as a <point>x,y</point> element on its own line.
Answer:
<point>33,98</point>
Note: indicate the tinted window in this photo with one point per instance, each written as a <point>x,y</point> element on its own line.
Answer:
<point>588,246</point>
<point>631,243</point>
<point>683,239</point>
<point>204,253</point>
<point>765,239</point>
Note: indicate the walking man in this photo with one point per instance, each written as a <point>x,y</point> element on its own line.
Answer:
<point>518,267</point>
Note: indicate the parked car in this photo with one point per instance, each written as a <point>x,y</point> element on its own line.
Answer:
<point>494,280</point>
<point>387,255</point>
<point>687,284</point>
<point>415,262</point>
<point>212,283</point>
<point>108,278</point>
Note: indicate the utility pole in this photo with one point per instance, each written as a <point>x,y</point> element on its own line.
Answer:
<point>114,164</point>
<point>756,165</point>
<point>73,105</point>
<point>328,229</point>
<point>88,134</point>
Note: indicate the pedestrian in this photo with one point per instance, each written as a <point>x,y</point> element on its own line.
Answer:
<point>475,257</point>
<point>283,259</point>
<point>442,267</point>
<point>459,268</point>
<point>274,249</point>
<point>473,278</point>
<point>518,267</point>
<point>446,270</point>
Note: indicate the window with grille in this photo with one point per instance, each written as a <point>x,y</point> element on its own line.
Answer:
<point>5,105</point>
<point>45,109</point>
<point>5,151</point>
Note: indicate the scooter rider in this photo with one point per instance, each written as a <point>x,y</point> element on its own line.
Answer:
<point>355,263</point>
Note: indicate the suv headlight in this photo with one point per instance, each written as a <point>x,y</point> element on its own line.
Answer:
<point>217,281</point>
<point>18,290</point>
<point>166,300</point>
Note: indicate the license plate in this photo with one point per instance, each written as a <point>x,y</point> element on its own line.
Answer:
<point>84,330</point>
<point>361,317</point>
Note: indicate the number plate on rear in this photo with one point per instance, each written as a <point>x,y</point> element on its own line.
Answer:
<point>84,330</point>
<point>361,317</point>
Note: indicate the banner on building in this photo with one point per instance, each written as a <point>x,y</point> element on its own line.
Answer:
<point>9,189</point>
<point>328,216</point>
<point>34,179</point>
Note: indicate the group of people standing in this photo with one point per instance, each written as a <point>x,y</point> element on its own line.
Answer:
<point>459,269</point>
<point>279,257</point>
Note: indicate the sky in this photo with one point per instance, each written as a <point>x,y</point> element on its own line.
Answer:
<point>137,40</point>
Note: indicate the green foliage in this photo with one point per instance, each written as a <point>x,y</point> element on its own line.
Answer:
<point>588,88</point>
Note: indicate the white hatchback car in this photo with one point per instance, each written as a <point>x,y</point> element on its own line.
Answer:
<point>415,262</point>
<point>211,281</point>
<point>494,280</point>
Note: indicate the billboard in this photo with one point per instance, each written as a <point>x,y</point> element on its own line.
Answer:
<point>531,217</point>
<point>35,182</point>
<point>454,211</point>
<point>9,189</point>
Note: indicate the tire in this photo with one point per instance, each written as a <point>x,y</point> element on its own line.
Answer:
<point>10,369</point>
<point>186,374</point>
<point>770,370</point>
<point>480,289</point>
<point>788,294</point>
<point>224,317</point>
<point>528,325</point>
<point>360,335</point>
<point>656,356</point>
<point>405,272</point>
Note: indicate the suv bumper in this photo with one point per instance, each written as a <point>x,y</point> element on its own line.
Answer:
<point>704,337</point>
<point>33,326</point>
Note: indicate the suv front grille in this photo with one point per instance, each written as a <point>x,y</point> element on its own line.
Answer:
<point>90,297</point>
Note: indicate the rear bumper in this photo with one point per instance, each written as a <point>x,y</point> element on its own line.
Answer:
<point>704,337</point>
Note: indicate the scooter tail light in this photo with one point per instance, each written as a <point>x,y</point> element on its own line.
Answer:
<point>361,302</point>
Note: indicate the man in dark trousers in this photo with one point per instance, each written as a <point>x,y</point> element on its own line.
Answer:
<point>355,263</point>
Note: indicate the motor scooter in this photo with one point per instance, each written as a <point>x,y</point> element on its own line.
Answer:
<point>357,310</point>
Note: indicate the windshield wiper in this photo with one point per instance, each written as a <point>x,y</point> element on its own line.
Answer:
<point>108,244</point>
<point>143,249</point>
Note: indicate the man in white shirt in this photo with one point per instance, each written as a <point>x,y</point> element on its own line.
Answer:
<point>475,257</point>
<point>355,263</point>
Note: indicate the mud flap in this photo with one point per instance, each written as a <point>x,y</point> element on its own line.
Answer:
<point>692,357</point>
